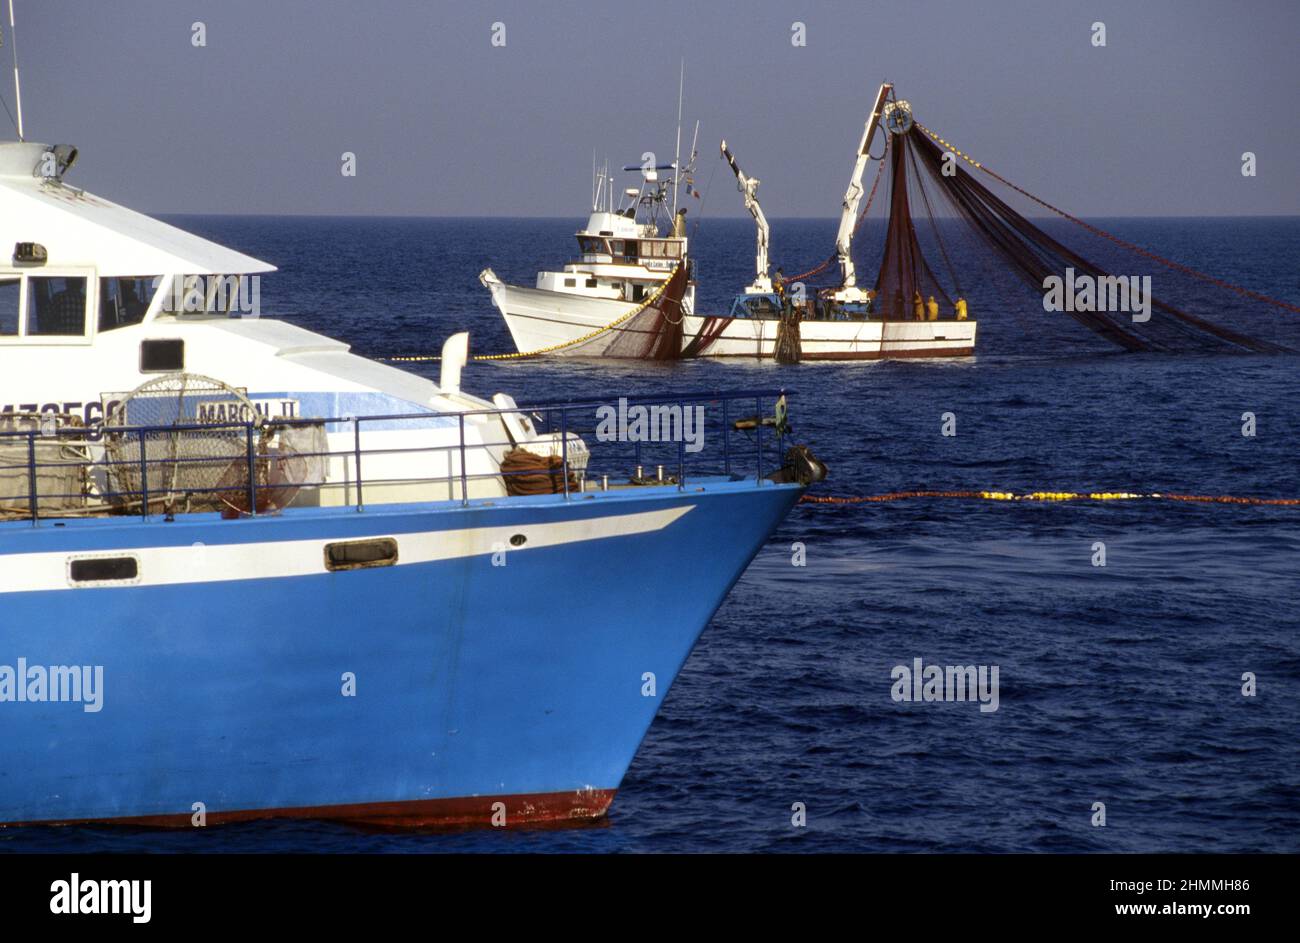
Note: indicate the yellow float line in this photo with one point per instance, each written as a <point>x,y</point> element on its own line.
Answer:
<point>1046,496</point>
<point>1064,496</point>
<point>966,157</point>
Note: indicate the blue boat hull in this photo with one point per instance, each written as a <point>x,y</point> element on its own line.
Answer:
<point>440,691</point>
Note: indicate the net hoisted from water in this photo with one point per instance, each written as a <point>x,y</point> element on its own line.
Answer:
<point>1153,304</point>
<point>655,332</point>
<point>905,283</point>
<point>658,332</point>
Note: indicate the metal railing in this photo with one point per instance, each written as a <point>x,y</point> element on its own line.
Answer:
<point>156,478</point>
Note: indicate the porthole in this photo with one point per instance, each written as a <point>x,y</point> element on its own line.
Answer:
<point>103,569</point>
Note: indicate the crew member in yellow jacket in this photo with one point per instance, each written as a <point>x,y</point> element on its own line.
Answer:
<point>918,306</point>
<point>961,309</point>
<point>932,309</point>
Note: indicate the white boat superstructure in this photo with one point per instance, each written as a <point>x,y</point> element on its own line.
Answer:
<point>627,251</point>
<point>96,299</point>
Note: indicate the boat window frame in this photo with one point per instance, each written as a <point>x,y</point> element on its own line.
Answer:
<point>161,284</point>
<point>601,241</point>
<point>14,276</point>
<point>89,325</point>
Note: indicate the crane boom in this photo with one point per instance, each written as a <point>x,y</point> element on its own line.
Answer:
<point>748,187</point>
<point>848,290</point>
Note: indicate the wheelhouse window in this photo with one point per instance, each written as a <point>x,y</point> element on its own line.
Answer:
<point>124,301</point>
<point>592,245</point>
<point>56,305</point>
<point>10,292</point>
<point>660,249</point>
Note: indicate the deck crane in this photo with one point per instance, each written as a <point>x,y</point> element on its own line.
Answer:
<point>848,290</point>
<point>748,186</point>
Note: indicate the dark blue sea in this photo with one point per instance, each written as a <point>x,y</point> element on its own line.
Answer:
<point>1120,685</point>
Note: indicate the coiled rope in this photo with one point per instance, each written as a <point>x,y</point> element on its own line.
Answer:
<point>1177,266</point>
<point>654,297</point>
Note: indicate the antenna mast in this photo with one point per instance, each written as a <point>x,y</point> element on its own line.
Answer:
<point>677,153</point>
<point>18,92</point>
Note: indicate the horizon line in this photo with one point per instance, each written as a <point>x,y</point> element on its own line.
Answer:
<point>832,219</point>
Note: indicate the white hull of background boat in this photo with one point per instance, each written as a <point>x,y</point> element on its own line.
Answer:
<point>841,340</point>
<point>540,320</point>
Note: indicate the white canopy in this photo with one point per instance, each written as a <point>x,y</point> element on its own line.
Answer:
<point>80,229</point>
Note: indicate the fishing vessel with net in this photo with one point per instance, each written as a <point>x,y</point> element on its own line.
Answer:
<point>248,573</point>
<point>787,320</point>
<point>652,315</point>
<point>948,244</point>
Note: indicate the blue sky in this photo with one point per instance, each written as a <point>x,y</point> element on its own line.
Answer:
<point>444,123</point>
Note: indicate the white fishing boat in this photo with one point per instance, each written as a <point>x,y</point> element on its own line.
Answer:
<point>617,298</point>
<point>626,253</point>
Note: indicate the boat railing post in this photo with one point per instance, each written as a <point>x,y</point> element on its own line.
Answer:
<point>144,475</point>
<point>564,449</point>
<point>758,471</point>
<point>681,449</point>
<point>252,470</point>
<point>356,456</point>
<point>31,476</point>
<point>464,475</point>
<point>726,435</point>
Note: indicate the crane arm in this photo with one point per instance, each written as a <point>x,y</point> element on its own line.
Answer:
<point>844,237</point>
<point>748,187</point>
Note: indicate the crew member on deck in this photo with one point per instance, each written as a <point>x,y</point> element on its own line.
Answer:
<point>932,309</point>
<point>918,307</point>
<point>778,282</point>
<point>961,309</point>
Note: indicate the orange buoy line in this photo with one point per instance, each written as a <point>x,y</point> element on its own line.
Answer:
<point>1046,496</point>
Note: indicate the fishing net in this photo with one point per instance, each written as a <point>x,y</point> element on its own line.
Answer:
<point>658,331</point>
<point>655,332</point>
<point>56,462</point>
<point>905,283</point>
<point>973,240</point>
